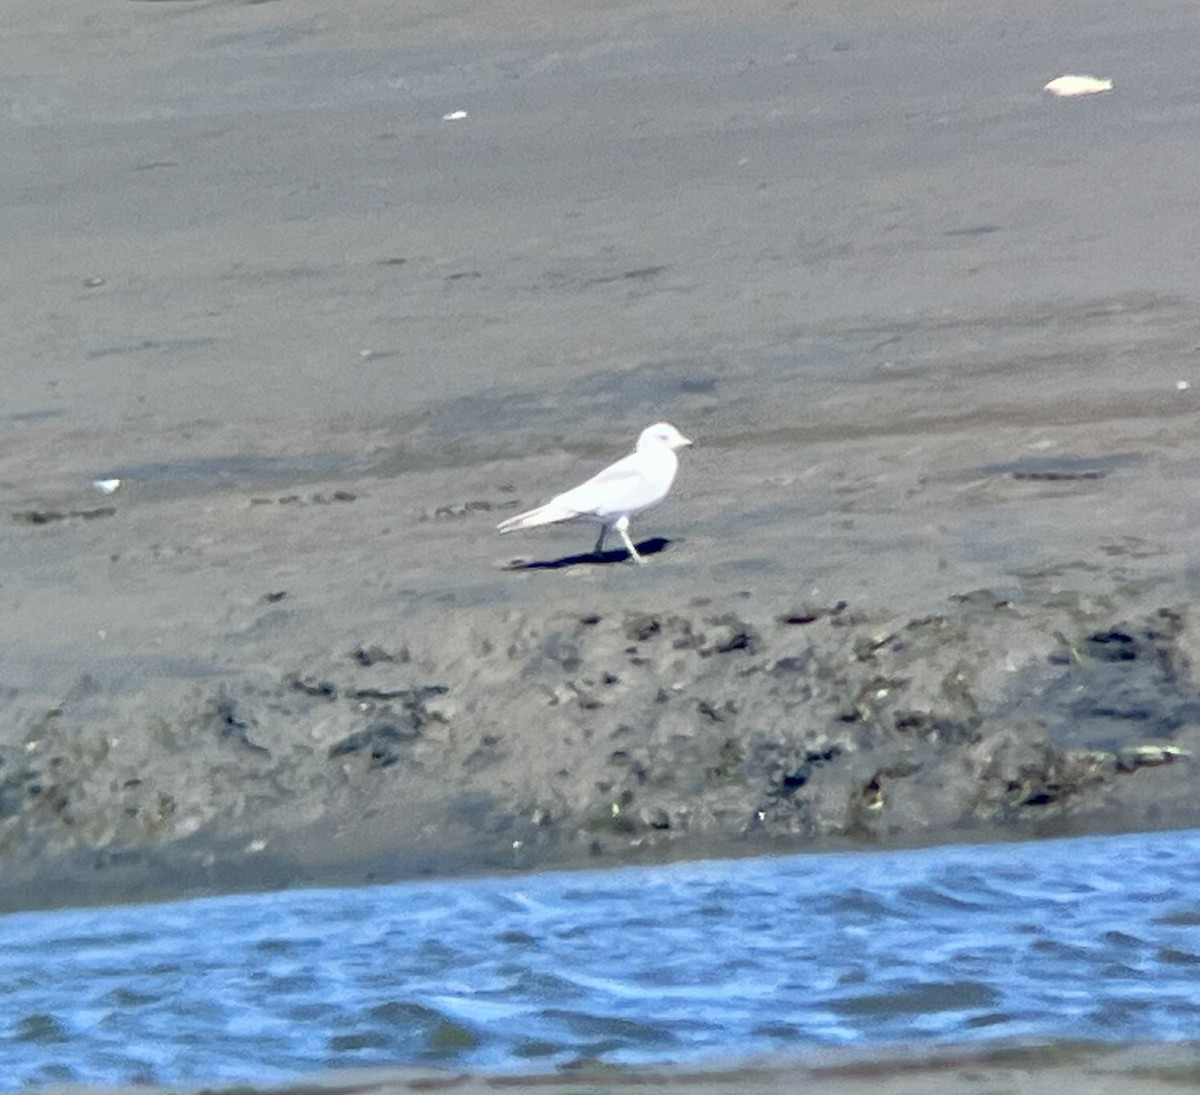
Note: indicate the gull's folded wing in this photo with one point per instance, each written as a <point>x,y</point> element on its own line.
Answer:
<point>619,488</point>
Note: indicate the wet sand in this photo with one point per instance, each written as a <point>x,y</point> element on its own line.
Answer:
<point>1074,1069</point>
<point>935,333</point>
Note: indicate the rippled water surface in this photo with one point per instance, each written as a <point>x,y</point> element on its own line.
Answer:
<point>1096,938</point>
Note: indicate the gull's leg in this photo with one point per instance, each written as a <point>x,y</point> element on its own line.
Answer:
<point>599,548</point>
<point>622,526</point>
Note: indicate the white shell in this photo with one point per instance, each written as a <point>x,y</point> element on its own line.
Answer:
<point>454,116</point>
<point>107,486</point>
<point>1067,86</point>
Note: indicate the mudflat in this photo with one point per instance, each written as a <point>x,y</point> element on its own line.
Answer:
<point>333,289</point>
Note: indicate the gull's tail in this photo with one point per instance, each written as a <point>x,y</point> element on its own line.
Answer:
<point>547,514</point>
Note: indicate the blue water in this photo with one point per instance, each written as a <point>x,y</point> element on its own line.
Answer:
<point>1095,938</point>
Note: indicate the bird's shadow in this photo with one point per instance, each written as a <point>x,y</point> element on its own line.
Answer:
<point>602,558</point>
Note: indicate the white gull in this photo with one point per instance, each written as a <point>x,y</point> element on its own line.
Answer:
<point>634,483</point>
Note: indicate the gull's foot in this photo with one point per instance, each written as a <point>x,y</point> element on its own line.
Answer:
<point>612,557</point>
<point>624,534</point>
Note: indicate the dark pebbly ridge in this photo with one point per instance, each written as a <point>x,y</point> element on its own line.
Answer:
<point>518,740</point>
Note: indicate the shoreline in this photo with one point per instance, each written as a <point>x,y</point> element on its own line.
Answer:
<point>581,740</point>
<point>1144,1068</point>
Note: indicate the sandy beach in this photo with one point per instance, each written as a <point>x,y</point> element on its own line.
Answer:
<point>928,573</point>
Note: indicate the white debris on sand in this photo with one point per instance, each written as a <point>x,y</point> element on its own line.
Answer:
<point>1066,87</point>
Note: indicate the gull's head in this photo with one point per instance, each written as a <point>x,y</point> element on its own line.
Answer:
<point>662,433</point>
